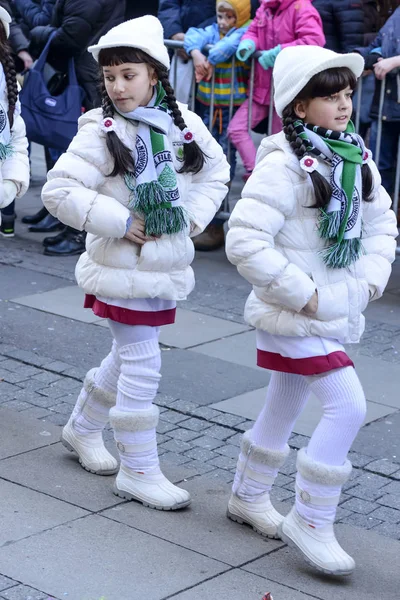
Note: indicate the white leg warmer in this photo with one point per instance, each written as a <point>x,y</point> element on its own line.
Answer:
<point>287,395</point>
<point>343,402</point>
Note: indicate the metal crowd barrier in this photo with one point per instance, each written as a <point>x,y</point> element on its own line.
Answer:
<point>225,213</point>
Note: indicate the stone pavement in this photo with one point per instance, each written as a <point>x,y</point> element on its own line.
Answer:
<point>65,535</point>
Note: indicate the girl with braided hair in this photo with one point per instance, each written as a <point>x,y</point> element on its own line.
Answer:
<point>315,236</point>
<point>14,163</point>
<point>142,176</point>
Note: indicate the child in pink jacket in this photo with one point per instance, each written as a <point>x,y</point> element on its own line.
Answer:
<point>277,24</point>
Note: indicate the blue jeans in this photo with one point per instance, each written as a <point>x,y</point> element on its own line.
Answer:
<point>388,153</point>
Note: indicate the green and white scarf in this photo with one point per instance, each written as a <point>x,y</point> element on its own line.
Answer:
<point>154,186</point>
<point>341,221</point>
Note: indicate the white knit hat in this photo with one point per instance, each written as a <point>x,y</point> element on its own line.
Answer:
<point>295,65</point>
<point>6,20</point>
<point>145,33</point>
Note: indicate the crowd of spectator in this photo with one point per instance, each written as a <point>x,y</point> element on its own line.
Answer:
<point>234,28</point>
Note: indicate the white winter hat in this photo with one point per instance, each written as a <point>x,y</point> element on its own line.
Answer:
<point>295,65</point>
<point>145,33</point>
<point>6,20</point>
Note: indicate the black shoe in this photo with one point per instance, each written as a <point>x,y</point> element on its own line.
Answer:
<point>55,239</point>
<point>7,226</point>
<point>33,219</point>
<point>46,225</point>
<point>70,245</point>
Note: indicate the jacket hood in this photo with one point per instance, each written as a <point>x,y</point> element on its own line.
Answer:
<point>281,4</point>
<point>242,10</point>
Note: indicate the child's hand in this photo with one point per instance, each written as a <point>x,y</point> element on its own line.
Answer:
<point>245,49</point>
<point>136,233</point>
<point>312,305</point>
<point>268,57</point>
<point>201,66</point>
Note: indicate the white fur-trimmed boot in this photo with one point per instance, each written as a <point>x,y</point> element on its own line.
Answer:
<point>256,471</point>
<point>309,525</point>
<point>92,408</point>
<point>139,477</point>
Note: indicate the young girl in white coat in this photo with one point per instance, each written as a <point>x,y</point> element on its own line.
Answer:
<point>315,236</point>
<point>14,162</point>
<point>142,174</point>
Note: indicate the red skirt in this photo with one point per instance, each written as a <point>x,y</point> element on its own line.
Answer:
<point>133,311</point>
<point>300,355</point>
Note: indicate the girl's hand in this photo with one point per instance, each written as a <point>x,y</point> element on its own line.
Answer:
<point>385,65</point>
<point>136,233</point>
<point>312,305</point>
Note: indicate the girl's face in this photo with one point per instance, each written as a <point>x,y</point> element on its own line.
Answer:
<point>226,19</point>
<point>129,85</point>
<point>331,112</point>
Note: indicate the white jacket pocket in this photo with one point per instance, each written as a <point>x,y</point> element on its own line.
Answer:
<point>333,302</point>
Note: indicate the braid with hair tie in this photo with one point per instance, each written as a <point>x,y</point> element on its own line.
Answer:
<point>193,156</point>
<point>123,159</point>
<point>11,82</point>
<point>322,188</point>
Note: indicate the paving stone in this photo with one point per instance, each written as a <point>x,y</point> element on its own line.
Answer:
<point>228,420</point>
<point>68,384</point>
<point>76,372</point>
<point>384,513</point>
<point>382,467</point>
<point>396,475</point>
<point>51,392</point>
<point>283,480</point>
<point>223,462</point>
<point>63,407</point>
<point>185,406</point>
<point>201,454</point>
<point>371,480</point>
<point>206,412</point>
<point>390,500</point>
<point>37,412</point>
<point>184,434</point>
<point>12,376</point>
<point>196,424</point>
<point>24,592</point>
<point>236,439</point>
<point>221,433</point>
<point>29,357</point>
<point>165,427</point>
<point>220,475</point>
<point>57,366</point>
<point>393,488</point>
<point>388,529</point>
<point>245,426</point>
<point>365,493</point>
<point>341,513</point>
<point>360,506</point>
<point>228,450</point>
<point>298,441</point>
<point>172,416</point>
<point>6,582</point>
<point>47,377</point>
<point>57,419</point>
<point>28,370</point>
<point>364,521</point>
<point>7,389</point>
<point>280,494</point>
<point>10,365</point>
<point>161,438</point>
<point>17,405</point>
<point>210,443</point>
<point>200,467</point>
<point>36,399</point>
<point>174,445</point>
<point>31,385</point>
<point>289,466</point>
<point>175,459</point>
<point>164,400</point>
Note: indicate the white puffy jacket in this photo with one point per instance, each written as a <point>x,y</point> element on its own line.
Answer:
<point>274,242</point>
<point>14,170</point>
<point>80,194</point>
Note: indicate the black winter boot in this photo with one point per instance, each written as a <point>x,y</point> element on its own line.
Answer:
<point>72,243</point>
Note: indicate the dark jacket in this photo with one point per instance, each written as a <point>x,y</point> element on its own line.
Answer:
<point>79,24</point>
<point>139,8</point>
<point>30,13</point>
<point>388,41</point>
<point>177,16</point>
<point>371,20</point>
<point>18,41</point>
<point>343,22</point>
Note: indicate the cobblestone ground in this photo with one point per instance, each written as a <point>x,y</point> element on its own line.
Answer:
<point>204,439</point>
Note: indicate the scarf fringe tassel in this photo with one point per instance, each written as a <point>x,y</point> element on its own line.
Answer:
<point>160,216</point>
<point>342,254</point>
<point>6,150</point>
<point>329,224</point>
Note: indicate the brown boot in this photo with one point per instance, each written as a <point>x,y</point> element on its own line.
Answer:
<point>212,238</point>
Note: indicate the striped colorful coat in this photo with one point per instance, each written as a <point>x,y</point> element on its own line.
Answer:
<point>220,56</point>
